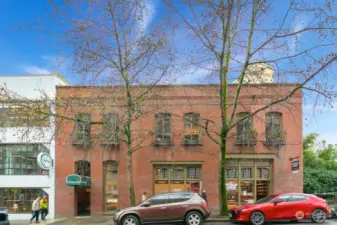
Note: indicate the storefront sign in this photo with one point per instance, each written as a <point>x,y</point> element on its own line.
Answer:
<point>295,165</point>
<point>161,181</point>
<point>44,161</point>
<point>77,180</point>
<point>177,182</point>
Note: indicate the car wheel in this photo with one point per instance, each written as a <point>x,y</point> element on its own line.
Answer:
<point>256,218</point>
<point>193,218</point>
<point>130,220</point>
<point>318,216</point>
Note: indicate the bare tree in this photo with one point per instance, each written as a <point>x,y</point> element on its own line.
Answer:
<point>231,38</point>
<point>117,50</point>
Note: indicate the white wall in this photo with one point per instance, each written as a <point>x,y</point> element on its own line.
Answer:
<point>32,87</point>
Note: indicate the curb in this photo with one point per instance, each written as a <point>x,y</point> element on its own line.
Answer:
<point>219,220</point>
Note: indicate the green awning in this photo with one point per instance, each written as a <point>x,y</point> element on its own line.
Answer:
<point>77,180</point>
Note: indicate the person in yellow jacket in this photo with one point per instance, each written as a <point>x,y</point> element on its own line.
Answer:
<point>44,208</point>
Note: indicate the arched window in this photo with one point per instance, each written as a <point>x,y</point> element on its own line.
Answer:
<point>110,185</point>
<point>82,167</point>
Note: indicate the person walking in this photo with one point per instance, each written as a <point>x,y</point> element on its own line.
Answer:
<point>144,197</point>
<point>35,210</point>
<point>204,196</point>
<point>44,208</point>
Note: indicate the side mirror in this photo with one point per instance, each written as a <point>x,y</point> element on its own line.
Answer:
<point>277,201</point>
<point>146,204</point>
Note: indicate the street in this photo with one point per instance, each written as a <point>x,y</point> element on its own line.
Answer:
<point>109,222</point>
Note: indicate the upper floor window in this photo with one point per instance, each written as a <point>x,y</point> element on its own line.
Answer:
<point>244,132</point>
<point>163,129</point>
<point>20,159</point>
<point>191,129</point>
<point>82,130</point>
<point>274,131</point>
<point>110,129</point>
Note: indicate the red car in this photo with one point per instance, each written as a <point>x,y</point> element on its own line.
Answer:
<point>292,207</point>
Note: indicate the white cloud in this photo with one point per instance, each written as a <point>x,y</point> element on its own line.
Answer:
<point>146,16</point>
<point>31,69</point>
<point>299,23</point>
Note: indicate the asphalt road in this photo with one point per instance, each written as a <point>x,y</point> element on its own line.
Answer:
<point>328,222</point>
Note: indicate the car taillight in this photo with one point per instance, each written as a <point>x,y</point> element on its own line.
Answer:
<point>205,204</point>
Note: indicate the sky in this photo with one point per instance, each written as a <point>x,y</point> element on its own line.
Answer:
<point>26,51</point>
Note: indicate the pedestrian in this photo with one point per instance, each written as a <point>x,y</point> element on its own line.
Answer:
<point>144,197</point>
<point>204,196</point>
<point>44,207</point>
<point>36,210</point>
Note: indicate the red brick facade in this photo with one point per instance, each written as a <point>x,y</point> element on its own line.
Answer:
<point>178,100</point>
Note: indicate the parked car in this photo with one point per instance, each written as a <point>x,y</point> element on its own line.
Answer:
<point>4,218</point>
<point>4,210</point>
<point>166,208</point>
<point>291,207</point>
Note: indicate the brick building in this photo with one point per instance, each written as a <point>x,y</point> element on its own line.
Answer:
<point>264,157</point>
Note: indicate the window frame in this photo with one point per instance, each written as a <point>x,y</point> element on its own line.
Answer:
<point>110,129</point>
<point>244,130</point>
<point>14,198</point>
<point>161,137</point>
<point>21,156</point>
<point>270,125</point>
<point>191,134</point>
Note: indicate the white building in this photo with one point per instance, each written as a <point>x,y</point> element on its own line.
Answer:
<point>259,73</point>
<point>21,179</point>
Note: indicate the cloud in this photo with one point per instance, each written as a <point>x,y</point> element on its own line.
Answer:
<point>147,14</point>
<point>31,69</point>
<point>299,23</point>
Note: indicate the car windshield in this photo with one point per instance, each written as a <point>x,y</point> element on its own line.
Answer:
<point>265,200</point>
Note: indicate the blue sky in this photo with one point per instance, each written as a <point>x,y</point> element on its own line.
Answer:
<point>24,51</point>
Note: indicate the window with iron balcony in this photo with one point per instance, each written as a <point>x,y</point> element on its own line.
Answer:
<point>81,135</point>
<point>191,129</point>
<point>275,134</point>
<point>245,134</point>
<point>109,134</point>
<point>162,129</point>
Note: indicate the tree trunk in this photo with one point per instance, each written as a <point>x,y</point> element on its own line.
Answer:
<point>223,190</point>
<point>132,198</point>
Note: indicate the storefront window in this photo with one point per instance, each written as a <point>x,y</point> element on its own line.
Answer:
<point>232,192</point>
<point>249,185</point>
<point>111,185</point>
<point>20,159</point>
<point>232,173</point>
<point>246,173</point>
<point>177,179</point>
<point>161,182</point>
<point>17,200</point>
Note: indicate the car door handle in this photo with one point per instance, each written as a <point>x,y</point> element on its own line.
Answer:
<point>163,207</point>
